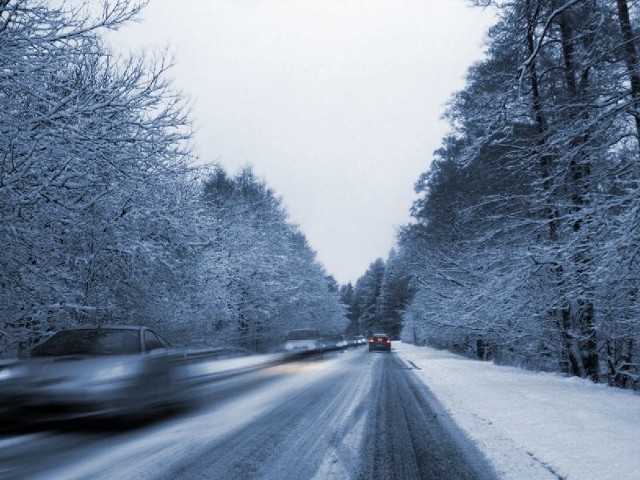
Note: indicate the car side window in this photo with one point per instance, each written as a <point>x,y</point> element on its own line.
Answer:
<point>153,341</point>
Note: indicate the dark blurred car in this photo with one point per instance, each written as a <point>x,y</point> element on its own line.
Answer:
<point>92,372</point>
<point>303,340</point>
<point>334,342</point>
<point>379,342</point>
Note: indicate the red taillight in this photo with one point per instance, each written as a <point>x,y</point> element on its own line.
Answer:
<point>371,340</point>
<point>388,341</point>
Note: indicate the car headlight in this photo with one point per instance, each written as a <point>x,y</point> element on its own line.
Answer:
<point>5,373</point>
<point>9,372</point>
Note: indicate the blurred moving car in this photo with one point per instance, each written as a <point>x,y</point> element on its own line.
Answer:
<point>379,342</point>
<point>92,372</point>
<point>303,340</point>
<point>334,342</point>
<point>356,341</point>
<point>352,341</point>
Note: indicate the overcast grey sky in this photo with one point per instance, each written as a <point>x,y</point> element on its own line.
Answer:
<point>335,103</point>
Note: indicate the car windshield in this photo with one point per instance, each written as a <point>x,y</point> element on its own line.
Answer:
<point>90,342</point>
<point>302,334</point>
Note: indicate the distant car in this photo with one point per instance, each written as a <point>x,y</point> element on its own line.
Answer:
<point>92,372</point>
<point>334,342</point>
<point>352,341</point>
<point>303,340</point>
<point>356,341</point>
<point>379,342</point>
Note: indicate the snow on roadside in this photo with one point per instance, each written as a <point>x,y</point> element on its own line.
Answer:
<point>534,425</point>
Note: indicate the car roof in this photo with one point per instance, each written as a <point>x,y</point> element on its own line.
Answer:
<point>379,335</point>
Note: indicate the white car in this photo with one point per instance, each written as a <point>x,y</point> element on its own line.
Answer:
<point>303,340</point>
<point>334,342</point>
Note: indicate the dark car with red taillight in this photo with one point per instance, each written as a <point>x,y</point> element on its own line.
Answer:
<point>379,342</point>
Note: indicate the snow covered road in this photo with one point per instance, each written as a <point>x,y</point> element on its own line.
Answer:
<point>356,415</point>
<point>360,415</point>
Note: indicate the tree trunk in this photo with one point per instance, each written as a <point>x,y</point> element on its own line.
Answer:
<point>581,310</point>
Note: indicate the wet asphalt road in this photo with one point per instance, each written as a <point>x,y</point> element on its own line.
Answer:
<point>356,415</point>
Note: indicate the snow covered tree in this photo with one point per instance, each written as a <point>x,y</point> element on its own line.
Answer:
<point>104,219</point>
<point>90,146</point>
<point>268,280</point>
<point>526,220</point>
<point>366,295</point>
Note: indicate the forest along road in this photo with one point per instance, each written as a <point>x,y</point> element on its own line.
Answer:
<point>356,415</point>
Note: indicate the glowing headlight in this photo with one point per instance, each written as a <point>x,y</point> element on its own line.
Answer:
<point>9,372</point>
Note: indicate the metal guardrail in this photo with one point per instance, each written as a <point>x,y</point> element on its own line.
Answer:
<point>209,365</point>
